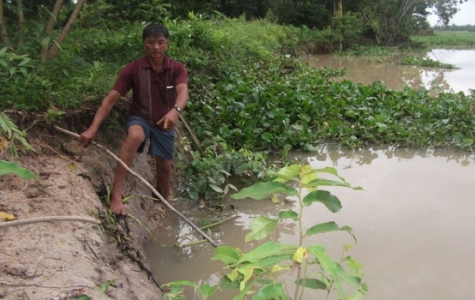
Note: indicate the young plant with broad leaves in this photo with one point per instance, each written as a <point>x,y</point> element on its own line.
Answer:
<point>10,135</point>
<point>258,274</point>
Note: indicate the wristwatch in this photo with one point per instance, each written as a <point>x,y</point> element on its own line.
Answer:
<point>177,109</point>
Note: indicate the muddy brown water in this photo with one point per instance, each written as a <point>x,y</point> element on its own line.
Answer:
<point>367,70</point>
<point>414,220</point>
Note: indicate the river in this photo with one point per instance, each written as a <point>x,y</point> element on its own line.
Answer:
<point>414,220</point>
<point>367,70</point>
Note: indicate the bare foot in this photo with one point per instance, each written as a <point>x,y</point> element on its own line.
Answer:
<point>117,206</point>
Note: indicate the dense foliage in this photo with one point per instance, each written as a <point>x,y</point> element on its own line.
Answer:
<point>250,94</point>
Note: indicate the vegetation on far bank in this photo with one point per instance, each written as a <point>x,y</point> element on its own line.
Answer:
<point>250,94</point>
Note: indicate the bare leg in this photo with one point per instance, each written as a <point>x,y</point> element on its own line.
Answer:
<point>164,174</point>
<point>135,137</point>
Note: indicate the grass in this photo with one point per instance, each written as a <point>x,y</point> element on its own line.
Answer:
<point>462,39</point>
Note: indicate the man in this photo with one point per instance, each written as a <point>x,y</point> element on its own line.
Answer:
<point>160,93</point>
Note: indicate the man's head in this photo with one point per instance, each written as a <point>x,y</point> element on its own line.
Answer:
<point>155,41</point>
<point>155,30</point>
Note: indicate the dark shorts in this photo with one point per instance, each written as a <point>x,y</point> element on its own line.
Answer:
<point>162,143</point>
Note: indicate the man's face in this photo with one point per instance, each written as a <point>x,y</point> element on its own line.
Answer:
<point>155,47</point>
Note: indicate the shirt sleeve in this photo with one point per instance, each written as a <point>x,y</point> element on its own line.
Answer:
<point>124,81</point>
<point>181,74</point>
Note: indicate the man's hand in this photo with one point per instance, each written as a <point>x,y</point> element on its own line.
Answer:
<point>87,136</point>
<point>168,121</point>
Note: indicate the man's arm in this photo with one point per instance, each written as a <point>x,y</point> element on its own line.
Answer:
<point>181,95</point>
<point>107,104</point>
<point>171,118</point>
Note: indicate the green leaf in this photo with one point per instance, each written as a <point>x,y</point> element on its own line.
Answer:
<point>307,174</point>
<point>227,255</point>
<point>216,188</point>
<point>176,293</point>
<point>329,227</point>
<point>270,291</point>
<point>180,283</point>
<point>83,297</point>
<point>267,250</point>
<point>260,228</point>
<point>354,265</point>
<point>206,290</point>
<point>262,190</point>
<point>266,136</point>
<point>24,61</point>
<point>313,284</point>
<point>24,72</point>
<point>327,182</point>
<point>328,265</point>
<point>247,271</point>
<point>325,197</point>
<point>334,269</point>
<point>288,214</point>
<point>244,292</point>
<point>287,173</point>
<point>273,260</point>
<point>228,284</point>
<point>331,171</point>
<point>11,167</point>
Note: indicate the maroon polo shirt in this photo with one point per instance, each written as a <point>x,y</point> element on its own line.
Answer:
<point>160,86</point>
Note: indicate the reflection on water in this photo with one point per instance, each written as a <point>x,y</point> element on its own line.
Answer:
<point>414,222</point>
<point>367,71</point>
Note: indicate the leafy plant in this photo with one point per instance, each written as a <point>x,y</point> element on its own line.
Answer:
<point>258,272</point>
<point>209,176</point>
<point>11,167</point>
<point>11,133</point>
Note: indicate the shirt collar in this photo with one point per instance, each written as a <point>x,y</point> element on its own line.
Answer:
<point>146,64</point>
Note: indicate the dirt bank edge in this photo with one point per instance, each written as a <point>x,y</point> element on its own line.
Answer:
<point>54,260</point>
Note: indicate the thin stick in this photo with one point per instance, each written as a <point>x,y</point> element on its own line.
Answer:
<point>193,137</point>
<point>49,219</point>
<point>155,192</point>
<point>220,222</point>
<point>213,225</point>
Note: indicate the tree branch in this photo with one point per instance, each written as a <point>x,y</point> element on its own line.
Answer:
<point>62,36</point>
<point>3,30</point>
<point>155,192</point>
<point>49,29</point>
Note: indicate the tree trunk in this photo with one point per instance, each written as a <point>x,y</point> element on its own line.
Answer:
<point>3,31</point>
<point>21,16</point>
<point>49,29</point>
<point>62,36</point>
<point>21,20</point>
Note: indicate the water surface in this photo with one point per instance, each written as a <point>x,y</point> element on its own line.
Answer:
<point>414,220</point>
<point>367,70</point>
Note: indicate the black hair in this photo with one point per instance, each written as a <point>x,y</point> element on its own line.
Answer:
<point>155,30</point>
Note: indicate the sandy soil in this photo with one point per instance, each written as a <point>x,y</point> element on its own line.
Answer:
<point>63,259</point>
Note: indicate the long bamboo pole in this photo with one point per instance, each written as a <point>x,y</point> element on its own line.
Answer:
<point>155,192</point>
